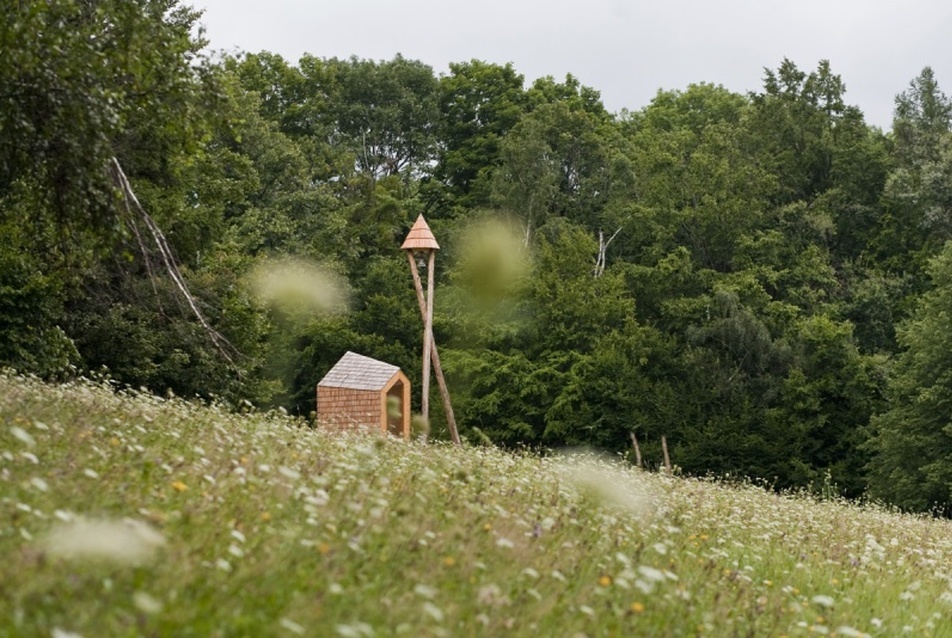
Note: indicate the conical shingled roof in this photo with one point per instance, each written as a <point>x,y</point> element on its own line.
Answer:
<point>420,237</point>
<point>358,372</point>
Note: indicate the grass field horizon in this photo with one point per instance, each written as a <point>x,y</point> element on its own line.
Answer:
<point>124,514</point>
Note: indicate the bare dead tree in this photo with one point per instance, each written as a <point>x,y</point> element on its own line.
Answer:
<point>137,215</point>
<point>602,250</point>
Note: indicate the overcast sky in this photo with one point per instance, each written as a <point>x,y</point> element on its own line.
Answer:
<point>627,50</point>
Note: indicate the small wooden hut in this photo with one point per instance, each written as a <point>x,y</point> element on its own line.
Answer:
<point>360,392</point>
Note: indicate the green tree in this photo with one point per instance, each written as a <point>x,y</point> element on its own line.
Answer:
<point>73,75</point>
<point>563,160</point>
<point>480,102</point>
<point>912,440</point>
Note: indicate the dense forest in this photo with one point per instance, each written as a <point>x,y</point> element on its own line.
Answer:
<point>763,279</point>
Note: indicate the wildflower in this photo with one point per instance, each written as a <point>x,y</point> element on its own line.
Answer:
<point>651,573</point>
<point>433,611</point>
<point>505,543</point>
<point>637,608</point>
<point>424,591</point>
<point>846,630</point>
<point>605,581</point>
<point>289,473</point>
<point>323,548</point>
<point>179,486</point>
<point>146,603</point>
<point>265,516</point>
<point>23,436</point>
<point>822,600</point>
<point>449,561</point>
<point>356,630</point>
<point>291,626</point>
<point>491,595</point>
<point>125,541</point>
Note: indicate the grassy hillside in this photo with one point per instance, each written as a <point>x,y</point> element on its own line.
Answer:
<point>125,515</point>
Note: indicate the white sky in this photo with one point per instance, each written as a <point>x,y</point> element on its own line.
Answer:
<point>627,50</point>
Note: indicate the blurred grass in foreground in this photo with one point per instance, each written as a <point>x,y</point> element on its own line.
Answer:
<point>125,514</point>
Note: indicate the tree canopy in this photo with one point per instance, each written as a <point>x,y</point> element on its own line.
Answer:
<point>760,279</point>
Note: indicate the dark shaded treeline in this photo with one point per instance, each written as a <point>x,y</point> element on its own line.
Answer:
<point>763,279</point>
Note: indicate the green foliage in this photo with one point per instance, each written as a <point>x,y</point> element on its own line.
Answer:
<point>723,270</point>
<point>912,440</point>
<point>74,76</point>
<point>479,103</point>
<point>126,514</point>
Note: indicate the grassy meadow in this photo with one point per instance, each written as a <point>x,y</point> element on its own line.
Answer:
<point>129,515</point>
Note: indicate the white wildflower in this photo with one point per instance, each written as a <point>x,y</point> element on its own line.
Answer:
<point>355,630</point>
<point>424,591</point>
<point>291,626</point>
<point>23,436</point>
<point>822,600</point>
<point>289,473</point>
<point>433,611</point>
<point>652,574</point>
<point>125,541</point>
<point>146,603</point>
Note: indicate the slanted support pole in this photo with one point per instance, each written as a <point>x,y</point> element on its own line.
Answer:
<point>421,239</point>
<point>435,354</point>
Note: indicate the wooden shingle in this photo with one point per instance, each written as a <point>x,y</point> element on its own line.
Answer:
<point>357,393</point>
<point>420,237</point>
<point>357,372</point>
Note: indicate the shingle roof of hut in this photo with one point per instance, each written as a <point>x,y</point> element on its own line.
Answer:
<point>420,237</point>
<point>359,373</point>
